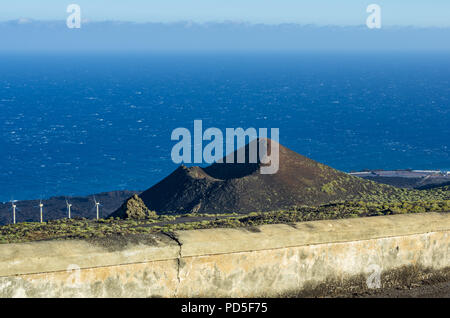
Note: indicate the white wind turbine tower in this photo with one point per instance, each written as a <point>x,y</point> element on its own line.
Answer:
<point>69,205</point>
<point>40,209</point>
<point>14,208</point>
<point>97,205</point>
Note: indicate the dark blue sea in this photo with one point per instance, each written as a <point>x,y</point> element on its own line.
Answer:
<point>76,124</point>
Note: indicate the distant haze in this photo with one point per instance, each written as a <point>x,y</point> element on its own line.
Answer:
<point>29,35</point>
<point>320,12</point>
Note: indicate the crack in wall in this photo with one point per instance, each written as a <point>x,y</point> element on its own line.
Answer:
<point>174,237</point>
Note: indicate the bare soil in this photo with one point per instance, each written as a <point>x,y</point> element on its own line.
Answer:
<point>438,290</point>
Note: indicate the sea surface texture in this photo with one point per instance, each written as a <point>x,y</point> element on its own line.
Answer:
<point>87,123</point>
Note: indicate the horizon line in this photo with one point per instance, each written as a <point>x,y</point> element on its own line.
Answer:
<point>25,21</point>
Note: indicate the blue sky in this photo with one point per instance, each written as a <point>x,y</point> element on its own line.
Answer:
<point>320,12</point>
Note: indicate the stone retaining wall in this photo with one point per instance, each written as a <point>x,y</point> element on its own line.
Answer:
<point>269,260</point>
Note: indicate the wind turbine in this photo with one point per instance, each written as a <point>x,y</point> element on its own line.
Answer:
<point>68,207</point>
<point>40,209</point>
<point>14,208</point>
<point>97,205</point>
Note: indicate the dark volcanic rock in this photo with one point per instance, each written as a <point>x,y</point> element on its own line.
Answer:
<point>240,187</point>
<point>445,186</point>
<point>411,183</point>
<point>133,208</point>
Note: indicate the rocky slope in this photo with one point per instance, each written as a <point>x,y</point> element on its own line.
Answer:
<point>241,188</point>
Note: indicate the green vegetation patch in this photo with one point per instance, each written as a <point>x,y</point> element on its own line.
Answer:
<point>87,229</point>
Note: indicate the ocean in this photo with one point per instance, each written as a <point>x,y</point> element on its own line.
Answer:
<point>77,124</point>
